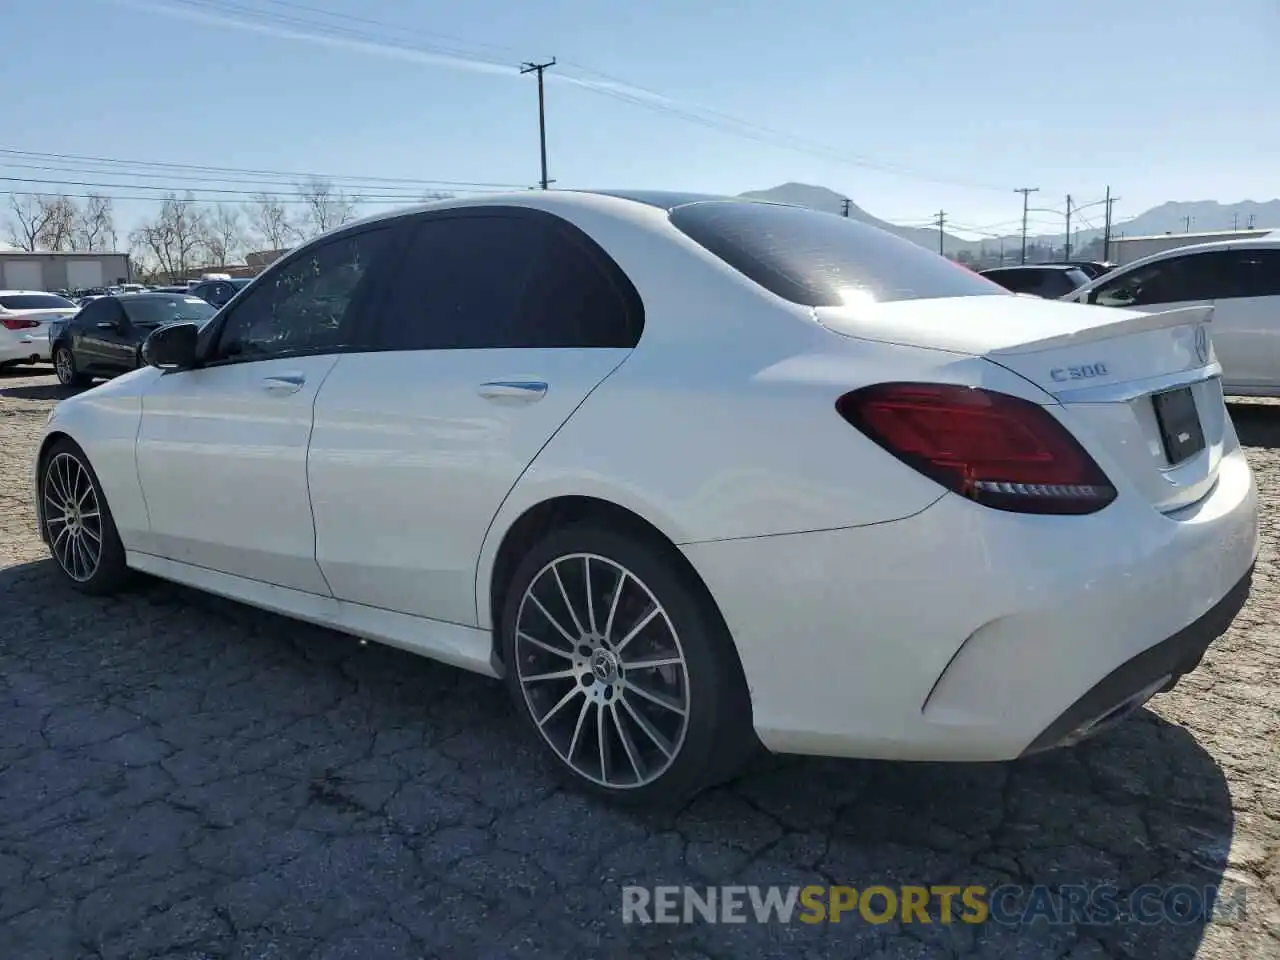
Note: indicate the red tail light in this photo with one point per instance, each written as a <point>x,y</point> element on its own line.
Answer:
<point>999,450</point>
<point>18,323</point>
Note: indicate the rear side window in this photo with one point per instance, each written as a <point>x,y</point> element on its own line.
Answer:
<point>821,260</point>
<point>1257,273</point>
<point>499,281</point>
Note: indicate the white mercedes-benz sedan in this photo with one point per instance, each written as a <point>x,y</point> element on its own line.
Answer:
<point>692,474</point>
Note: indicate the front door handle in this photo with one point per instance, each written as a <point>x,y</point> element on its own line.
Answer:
<point>284,383</point>
<point>517,391</point>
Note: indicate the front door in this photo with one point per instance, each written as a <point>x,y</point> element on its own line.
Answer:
<point>105,342</point>
<point>495,329</point>
<point>222,450</point>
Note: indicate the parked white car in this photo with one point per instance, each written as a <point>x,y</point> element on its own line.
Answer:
<point>1240,279</point>
<point>24,315</point>
<point>690,473</point>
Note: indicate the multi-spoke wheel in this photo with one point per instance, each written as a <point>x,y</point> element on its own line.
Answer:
<point>624,671</point>
<point>64,365</point>
<point>77,521</point>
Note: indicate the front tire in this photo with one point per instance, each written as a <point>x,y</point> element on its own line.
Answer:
<point>623,667</point>
<point>64,365</point>
<point>78,524</point>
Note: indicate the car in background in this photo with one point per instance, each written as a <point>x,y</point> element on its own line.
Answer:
<point>219,292</point>
<point>103,339</point>
<point>169,289</point>
<point>692,474</point>
<point>24,316</point>
<point>1051,281</point>
<point>1091,268</point>
<point>1239,278</point>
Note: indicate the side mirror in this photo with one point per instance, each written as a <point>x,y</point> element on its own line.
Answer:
<point>171,347</point>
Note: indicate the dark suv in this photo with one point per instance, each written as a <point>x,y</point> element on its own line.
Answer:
<point>1049,280</point>
<point>105,338</point>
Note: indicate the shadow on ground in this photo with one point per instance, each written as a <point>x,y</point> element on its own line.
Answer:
<point>180,773</point>
<point>39,391</point>
<point>1257,424</point>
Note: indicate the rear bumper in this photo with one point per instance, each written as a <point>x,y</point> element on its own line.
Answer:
<point>964,633</point>
<point>1155,670</point>
<point>17,346</point>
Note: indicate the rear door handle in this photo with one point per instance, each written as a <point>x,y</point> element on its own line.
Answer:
<point>518,391</point>
<point>284,383</point>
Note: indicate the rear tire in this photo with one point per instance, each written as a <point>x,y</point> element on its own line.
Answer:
<point>64,365</point>
<point>78,525</point>
<point>636,692</point>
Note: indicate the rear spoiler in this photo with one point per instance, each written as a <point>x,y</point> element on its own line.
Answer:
<point>1129,321</point>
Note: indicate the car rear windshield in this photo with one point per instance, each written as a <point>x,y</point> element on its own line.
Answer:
<point>820,259</point>
<point>35,301</point>
<point>154,311</point>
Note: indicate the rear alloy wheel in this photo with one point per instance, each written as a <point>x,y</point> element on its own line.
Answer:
<point>64,365</point>
<point>622,669</point>
<point>78,524</point>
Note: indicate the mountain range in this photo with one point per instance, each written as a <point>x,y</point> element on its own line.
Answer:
<point>1171,217</point>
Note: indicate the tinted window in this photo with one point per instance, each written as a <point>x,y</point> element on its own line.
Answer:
<point>153,311</point>
<point>35,301</point>
<point>819,259</point>
<point>1199,276</point>
<point>505,281</point>
<point>1256,273</point>
<point>303,305</point>
<point>102,310</point>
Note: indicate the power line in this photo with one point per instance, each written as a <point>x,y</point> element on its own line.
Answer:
<point>292,174</point>
<point>540,69</point>
<point>647,98</point>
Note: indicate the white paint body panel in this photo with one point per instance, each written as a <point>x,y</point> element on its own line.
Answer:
<point>222,457</point>
<point>412,455</point>
<point>849,581</point>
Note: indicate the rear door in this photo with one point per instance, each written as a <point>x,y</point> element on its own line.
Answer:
<point>498,324</point>
<point>1247,320</point>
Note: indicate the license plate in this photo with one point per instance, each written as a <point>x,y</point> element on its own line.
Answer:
<point>1179,423</point>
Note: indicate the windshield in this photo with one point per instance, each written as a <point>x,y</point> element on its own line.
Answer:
<point>154,311</point>
<point>35,301</point>
<point>820,259</point>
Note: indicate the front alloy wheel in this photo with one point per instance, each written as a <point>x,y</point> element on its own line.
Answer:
<point>77,522</point>
<point>623,666</point>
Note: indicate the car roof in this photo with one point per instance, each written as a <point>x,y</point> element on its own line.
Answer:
<point>1034,266</point>
<point>1267,241</point>
<point>29,293</point>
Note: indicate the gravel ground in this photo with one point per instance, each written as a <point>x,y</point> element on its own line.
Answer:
<point>183,777</point>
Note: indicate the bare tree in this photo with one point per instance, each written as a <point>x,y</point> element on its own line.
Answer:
<point>172,239</point>
<point>96,225</point>
<point>269,220</point>
<point>224,235</point>
<point>59,230</point>
<point>325,206</point>
<point>29,215</point>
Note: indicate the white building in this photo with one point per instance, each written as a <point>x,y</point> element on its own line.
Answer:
<point>20,270</point>
<point>1128,249</point>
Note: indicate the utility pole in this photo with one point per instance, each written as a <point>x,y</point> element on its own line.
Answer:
<point>539,68</point>
<point>1066,249</point>
<point>1106,230</point>
<point>939,221</point>
<point>845,205</point>
<point>1251,219</point>
<point>1026,192</point>
<point>1235,221</point>
<point>1186,223</point>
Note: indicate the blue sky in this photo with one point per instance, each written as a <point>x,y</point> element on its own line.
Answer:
<point>963,102</point>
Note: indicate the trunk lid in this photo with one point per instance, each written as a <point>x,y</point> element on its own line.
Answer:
<point>1141,391</point>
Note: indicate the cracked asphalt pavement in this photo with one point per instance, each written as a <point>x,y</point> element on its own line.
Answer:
<point>182,777</point>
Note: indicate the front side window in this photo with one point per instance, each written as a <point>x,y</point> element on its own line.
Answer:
<point>1256,273</point>
<point>495,281</point>
<point>304,305</point>
<point>1198,276</point>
